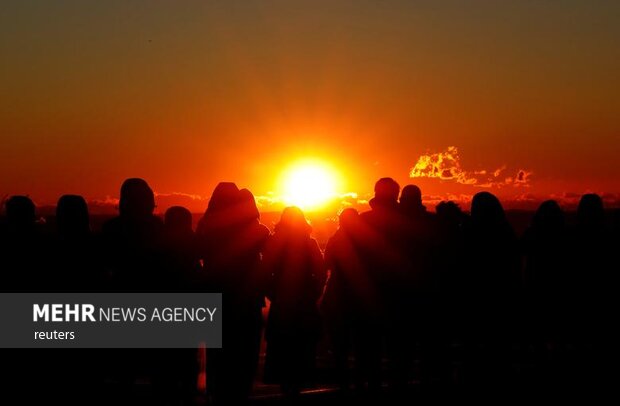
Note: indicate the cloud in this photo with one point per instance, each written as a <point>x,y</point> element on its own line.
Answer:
<point>527,197</point>
<point>107,201</point>
<point>103,206</point>
<point>268,201</point>
<point>611,199</point>
<point>446,166</point>
<point>522,178</point>
<point>570,200</point>
<point>195,203</point>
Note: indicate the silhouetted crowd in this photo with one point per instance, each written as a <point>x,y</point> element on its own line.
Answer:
<point>447,300</point>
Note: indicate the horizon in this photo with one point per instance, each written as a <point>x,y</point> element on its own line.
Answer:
<point>109,207</point>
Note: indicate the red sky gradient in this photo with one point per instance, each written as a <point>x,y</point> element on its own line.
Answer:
<point>186,95</point>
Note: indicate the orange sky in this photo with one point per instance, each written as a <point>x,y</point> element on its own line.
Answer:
<point>187,95</point>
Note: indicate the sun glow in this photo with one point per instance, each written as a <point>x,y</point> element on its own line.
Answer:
<point>309,185</point>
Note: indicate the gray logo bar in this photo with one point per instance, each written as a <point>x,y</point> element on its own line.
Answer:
<point>110,320</point>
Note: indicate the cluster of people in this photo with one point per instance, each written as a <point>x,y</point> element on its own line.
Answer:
<point>447,298</point>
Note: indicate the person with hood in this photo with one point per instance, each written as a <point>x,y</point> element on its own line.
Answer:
<point>231,241</point>
<point>295,272</point>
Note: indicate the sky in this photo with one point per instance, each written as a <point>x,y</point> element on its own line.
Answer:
<point>186,94</point>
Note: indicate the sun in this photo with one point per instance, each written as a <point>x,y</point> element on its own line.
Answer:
<point>309,184</point>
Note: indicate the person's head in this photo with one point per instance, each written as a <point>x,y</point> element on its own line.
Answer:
<point>247,206</point>
<point>486,209</point>
<point>224,197</point>
<point>411,198</point>
<point>72,215</point>
<point>293,221</point>
<point>137,199</point>
<point>386,190</point>
<point>549,216</point>
<point>448,211</point>
<point>590,211</point>
<point>178,219</point>
<point>348,218</point>
<point>20,211</point>
<point>222,210</point>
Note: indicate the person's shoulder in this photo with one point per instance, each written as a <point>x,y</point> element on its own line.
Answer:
<point>111,225</point>
<point>366,212</point>
<point>430,216</point>
<point>334,238</point>
<point>157,221</point>
<point>366,215</point>
<point>335,242</point>
<point>431,220</point>
<point>271,238</point>
<point>262,230</point>
<point>156,225</point>
<point>272,244</point>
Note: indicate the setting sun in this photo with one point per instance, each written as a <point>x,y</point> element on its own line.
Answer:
<point>309,185</point>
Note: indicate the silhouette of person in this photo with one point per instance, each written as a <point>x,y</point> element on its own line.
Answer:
<point>178,221</point>
<point>547,304</point>
<point>450,221</point>
<point>177,369</point>
<point>231,242</point>
<point>20,219</point>
<point>594,293</point>
<point>22,255</point>
<point>591,238</point>
<point>75,268</point>
<point>20,213</point>
<point>181,250</point>
<point>493,242</point>
<point>590,212</point>
<point>448,265</point>
<point>420,317</point>
<point>411,201</point>
<point>22,247</point>
<point>386,261</point>
<point>132,257</point>
<point>295,268</point>
<point>493,283</point>
<point>72,219</point>
<point>544,244</point>
<point>348,296</point>
<point>616,221</point>
<point>132,240</point>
